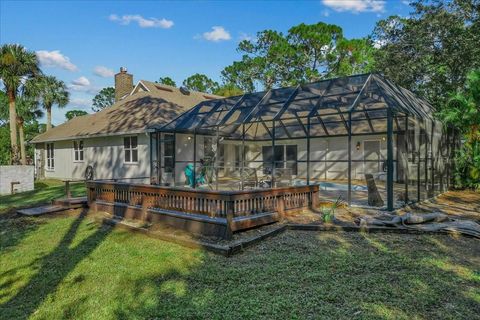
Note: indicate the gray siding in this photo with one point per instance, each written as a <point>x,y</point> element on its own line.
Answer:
<point>105,154</point>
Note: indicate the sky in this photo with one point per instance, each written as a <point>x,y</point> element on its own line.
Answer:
<point>84,43</point>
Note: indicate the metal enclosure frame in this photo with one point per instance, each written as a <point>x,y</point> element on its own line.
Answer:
<point>359,105</point>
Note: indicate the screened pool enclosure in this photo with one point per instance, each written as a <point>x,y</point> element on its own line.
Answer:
<point>331,133</point>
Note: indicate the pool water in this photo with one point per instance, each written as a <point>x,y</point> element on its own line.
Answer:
<point>331,186</point>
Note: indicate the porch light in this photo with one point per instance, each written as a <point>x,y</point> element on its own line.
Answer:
<point>189,138</point>
<point>358,145</point>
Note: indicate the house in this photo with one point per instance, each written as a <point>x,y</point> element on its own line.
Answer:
<point>234,163</point>
<point>331,133</point>
<point>113,143</point>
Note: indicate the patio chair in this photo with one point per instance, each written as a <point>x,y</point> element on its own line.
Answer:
<point>250,178</point>
<point>283,177</point>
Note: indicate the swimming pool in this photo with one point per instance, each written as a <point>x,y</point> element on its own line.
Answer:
<point>331,186</point>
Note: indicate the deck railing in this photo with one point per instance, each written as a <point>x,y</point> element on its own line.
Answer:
<point>227,205</point>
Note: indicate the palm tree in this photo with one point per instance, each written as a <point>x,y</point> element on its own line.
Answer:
<point>28,109</point>
<point>16,64</point>
<point>50,91</point>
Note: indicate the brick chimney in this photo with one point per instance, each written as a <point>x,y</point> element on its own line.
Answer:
<point>123,84</point>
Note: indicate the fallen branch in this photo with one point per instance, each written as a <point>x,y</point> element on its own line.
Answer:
<point>426,222</point>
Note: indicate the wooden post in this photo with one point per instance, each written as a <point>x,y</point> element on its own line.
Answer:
<point>229,218</point>
<point>67,189</point>
<point>146,201</point>
<point>92,198</point>
<point>281,207</point>
<point>314,198</point>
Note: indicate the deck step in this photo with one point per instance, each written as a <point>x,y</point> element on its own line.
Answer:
<point>37,211</point>
<point>57,205</point>
<point>72,203</point>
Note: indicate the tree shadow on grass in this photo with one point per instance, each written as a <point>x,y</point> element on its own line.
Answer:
<point>52,269</point>
<point>41,196</point>
<point>15,229</point>
<point>315,275</point>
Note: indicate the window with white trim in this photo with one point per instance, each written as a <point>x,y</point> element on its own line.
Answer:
<point>50,156</point>
<point>284,157</point>
<point>130,145</point>
<point>78,150</point>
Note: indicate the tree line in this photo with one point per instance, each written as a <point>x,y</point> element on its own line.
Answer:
<point>434,52</point>
<point>26,90</point>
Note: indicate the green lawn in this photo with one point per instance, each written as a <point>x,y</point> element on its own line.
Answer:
<point>45,191</point>
<point>70,267</point>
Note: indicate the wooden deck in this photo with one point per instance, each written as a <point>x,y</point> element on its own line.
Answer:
<point>214,213</point>
<point>57,206</point>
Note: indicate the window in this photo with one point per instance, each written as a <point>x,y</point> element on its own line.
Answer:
<point>130,145</point>
<point>78,150</point>
<point>291,157</point>
<point>284,157</point>
<point>50,157</point>
<point>169,152</point>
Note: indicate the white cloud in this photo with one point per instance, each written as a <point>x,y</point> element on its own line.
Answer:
<point>103,72</point>
<point>141,21</point>
<point>82,82</point>
<point>80,102</point>
<point>325,13</point>
<point>55,59</point>
<point>356,6</point>
<point>218,33</point>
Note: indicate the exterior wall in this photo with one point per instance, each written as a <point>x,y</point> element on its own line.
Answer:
<point>105,155</point>
<point>22,174</point>
<point>329,156</point>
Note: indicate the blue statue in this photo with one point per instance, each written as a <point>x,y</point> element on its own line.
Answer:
<point>189,175</point>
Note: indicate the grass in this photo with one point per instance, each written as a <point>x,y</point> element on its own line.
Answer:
<point>69,267</point>
<point>45,191</point>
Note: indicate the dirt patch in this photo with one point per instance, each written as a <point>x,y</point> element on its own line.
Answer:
<point>463,204</point>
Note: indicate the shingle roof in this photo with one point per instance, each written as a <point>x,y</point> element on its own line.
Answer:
<point>151,105</point>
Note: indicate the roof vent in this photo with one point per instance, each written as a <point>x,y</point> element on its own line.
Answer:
<point>184,90</point>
